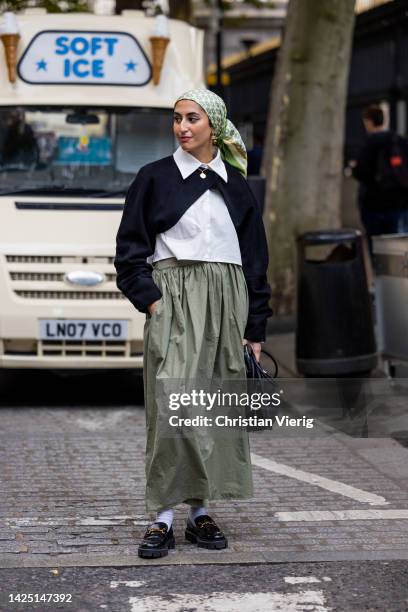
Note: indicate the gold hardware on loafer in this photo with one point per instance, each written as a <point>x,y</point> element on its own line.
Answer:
<point>161,529</point>
<point>206,523</point>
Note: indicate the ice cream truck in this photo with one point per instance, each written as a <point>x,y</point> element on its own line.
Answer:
<point>85,101</point>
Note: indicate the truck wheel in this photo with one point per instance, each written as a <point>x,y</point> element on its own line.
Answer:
<point>136,386</point>
<point>5,382</point>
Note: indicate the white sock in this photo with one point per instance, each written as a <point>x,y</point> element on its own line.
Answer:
<point>165,516</point>
<point>196,511</point>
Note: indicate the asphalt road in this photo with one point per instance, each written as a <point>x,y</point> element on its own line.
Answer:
<point>326,530</point>
<point>293,587</point>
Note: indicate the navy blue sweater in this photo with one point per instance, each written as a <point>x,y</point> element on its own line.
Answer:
<point>156,200</point>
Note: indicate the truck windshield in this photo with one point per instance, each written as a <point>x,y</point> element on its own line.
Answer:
<point>96,150</point>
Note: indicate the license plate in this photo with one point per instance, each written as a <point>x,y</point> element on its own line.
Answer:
<point>83,329</point>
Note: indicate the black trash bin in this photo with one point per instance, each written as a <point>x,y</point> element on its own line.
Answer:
<point>335,330</point>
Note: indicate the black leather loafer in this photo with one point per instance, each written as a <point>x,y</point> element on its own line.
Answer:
<point>205,533</point>
<point>156,541</point>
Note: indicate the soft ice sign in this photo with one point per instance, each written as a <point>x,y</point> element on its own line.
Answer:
<point>76,57</point>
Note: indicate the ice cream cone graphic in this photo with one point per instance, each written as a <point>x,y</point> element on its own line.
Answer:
<point>10,42</point>
<point>159,45</point>
<point>9,34</point>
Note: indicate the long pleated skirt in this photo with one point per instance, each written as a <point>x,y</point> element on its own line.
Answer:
<point>195,334</point>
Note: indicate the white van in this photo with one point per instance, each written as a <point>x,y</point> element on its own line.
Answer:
<point>79,115</point>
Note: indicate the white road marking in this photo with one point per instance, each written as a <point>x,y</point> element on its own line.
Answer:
<point>342,515</point>
<point>300,579</point>
<point>319,481</point>
<point>233,602</point>
<point>134,584</point>
<point>72,520</point>
<point>112,520</point>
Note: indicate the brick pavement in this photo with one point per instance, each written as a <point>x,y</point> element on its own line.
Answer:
<point>72,484</point>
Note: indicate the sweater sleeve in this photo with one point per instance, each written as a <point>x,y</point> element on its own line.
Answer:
<point>365,168</point>
<point>135,241</point>
<point>254,254</point>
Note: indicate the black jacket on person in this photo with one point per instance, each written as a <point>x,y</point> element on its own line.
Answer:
<point>371,198</point>
<point>156,200</point>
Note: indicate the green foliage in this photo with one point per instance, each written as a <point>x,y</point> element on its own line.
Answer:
<point>235,4</point>
<point>52,6</point>
<point>64,6</point>
<point>12,5</point>
<point>234,22</point>
<point>260,4</point>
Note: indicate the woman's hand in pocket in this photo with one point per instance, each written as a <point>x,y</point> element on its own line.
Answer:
<point>152,307</point>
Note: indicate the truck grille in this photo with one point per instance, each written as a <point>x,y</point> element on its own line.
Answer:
<point>41,277</point>
<point>73,348</point>
<point>83,348</point>
<point>77,259</point>
<point>47,276</point>
<point>71,295</point>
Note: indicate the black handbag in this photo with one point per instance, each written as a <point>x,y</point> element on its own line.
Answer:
<point>260,380</point>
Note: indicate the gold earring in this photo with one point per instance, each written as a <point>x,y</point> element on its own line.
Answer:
<point>214,140</point>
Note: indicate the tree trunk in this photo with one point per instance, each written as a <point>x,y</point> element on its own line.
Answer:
<point>303,156</point>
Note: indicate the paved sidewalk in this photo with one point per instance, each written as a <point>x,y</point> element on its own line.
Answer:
<point>72,482</point>
<point>282,347</point>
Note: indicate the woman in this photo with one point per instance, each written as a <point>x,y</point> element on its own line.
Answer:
<point>194,219</point>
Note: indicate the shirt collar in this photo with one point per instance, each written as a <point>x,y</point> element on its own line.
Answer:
<point>187,164</point>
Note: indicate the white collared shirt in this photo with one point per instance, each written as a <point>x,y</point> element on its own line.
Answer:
<point>205,232</point>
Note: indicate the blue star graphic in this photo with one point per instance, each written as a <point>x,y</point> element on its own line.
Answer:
<point>130,66</point>
<point>41,65</point>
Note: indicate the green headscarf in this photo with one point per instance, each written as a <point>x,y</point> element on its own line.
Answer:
<point>228,139</point>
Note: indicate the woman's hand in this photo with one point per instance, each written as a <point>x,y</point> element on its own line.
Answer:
<point>256,348</point>
<point>152,307</point>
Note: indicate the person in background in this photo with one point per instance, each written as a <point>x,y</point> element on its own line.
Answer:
<point>19,146</point>
<point>256,153</point>
<point>380,169</point>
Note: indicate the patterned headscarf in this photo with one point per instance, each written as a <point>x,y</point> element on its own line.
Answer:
<point>228,139</point>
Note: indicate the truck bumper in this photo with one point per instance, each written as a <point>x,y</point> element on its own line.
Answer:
<point>69,363</point>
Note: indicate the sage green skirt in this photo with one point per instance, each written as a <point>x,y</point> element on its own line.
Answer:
<point>195,333</point>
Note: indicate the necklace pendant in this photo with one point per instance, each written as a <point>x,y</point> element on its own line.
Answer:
<point>202,175</point>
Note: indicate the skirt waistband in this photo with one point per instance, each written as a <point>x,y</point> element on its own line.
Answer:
<point>173,262</point>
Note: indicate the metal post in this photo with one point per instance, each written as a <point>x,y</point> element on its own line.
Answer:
<point>219,42</point>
